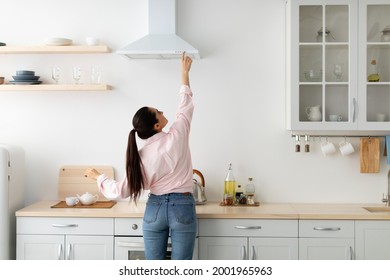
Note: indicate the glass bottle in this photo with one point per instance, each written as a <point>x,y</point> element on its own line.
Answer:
<point>373,74</point>
<point>250,192</point>
<point>229,193</point>
<point>250,187</point>
<point>239,192</point>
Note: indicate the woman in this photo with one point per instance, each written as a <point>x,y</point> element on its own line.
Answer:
<point>163,166</point>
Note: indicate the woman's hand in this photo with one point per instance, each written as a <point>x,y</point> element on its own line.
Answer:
<point>92,173</point>
<point>186,62</point>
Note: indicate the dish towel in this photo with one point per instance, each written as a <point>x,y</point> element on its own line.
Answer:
<point>388,148</point>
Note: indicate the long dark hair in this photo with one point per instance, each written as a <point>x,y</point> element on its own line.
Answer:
<point>143,123</point>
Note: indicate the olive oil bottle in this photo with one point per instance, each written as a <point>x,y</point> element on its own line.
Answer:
<point>373,74</point>
<point>229,192</point>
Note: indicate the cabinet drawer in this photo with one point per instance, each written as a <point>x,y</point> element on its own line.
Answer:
<point>90,226</point>
<point>128,226</point>
<point>326,228</point>
<point>248,227</point>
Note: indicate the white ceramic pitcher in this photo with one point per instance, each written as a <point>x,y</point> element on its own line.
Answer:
<point>314,113</point>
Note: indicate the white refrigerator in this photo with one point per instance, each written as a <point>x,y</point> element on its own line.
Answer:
<point>12,196</point>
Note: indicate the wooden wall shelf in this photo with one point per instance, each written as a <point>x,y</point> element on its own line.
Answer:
<point>55,87</point>
<point>74,49</point>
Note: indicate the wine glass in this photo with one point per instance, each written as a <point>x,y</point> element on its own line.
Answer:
<point>338,72</point>
<point>56,74</point>
<point>96,74</point>
<point>77,74</point>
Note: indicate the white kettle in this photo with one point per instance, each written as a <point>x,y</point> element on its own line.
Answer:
<point>87,198</point>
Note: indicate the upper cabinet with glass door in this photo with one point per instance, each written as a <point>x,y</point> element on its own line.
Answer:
<point>321,64</point>
<point>374,58</point>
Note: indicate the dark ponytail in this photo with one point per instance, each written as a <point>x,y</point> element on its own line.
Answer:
<point>143,123</point>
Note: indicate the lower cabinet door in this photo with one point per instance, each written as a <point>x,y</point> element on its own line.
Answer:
<point>326,248</point>
<point>64,247</point>
<point>372,240</point>
<point>223,248</point>
<point>40,247</point>
<point>83,247</point>
<point>273,248</point>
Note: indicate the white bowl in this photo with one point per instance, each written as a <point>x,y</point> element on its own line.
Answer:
<point>58,42</point>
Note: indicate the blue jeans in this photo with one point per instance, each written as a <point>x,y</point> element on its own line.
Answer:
<point>170,214</point>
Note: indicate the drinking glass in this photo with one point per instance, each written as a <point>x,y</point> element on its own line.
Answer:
<point>96,75</point>
<point>338,72</point>
<point>56,74</point>
<point>77,74</point>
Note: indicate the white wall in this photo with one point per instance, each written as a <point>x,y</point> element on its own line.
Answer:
<point>238,86</point>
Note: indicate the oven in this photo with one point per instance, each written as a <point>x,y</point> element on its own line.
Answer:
<point>132,248</point>
<point>129,243</point>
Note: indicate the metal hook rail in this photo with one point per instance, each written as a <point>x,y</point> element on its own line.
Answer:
<point>305,136</point>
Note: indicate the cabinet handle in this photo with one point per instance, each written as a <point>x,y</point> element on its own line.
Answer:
<point>350,253</point>
<point>59,252</point>
<point>327,228</point>
<point>354,109</point>
<point>68,252</point>
<point>243,251</point>
<point>63,225</point>
<point>247,227</point>
<point>253,253</point>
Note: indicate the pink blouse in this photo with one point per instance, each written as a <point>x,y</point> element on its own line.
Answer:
<point>166,158</point>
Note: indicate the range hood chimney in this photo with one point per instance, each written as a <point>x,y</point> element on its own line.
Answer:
<point>162,41</point>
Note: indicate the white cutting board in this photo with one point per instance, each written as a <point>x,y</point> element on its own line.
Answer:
<point>72,180</point>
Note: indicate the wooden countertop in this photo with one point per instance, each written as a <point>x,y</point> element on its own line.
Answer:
<point>213,210</point>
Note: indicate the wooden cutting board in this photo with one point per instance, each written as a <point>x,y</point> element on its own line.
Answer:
<point>369,155</point>
<point>72,180</point>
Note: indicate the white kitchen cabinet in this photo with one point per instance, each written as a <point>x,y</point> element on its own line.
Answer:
<point>326,240</point>
<point>323,36</point>
<point>46,238</point>
<point>374,97</point>
<point>248,239</point>
<point>372,239</point>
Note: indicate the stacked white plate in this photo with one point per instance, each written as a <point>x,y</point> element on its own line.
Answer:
<point>25,77</point>
<point>58,42</point>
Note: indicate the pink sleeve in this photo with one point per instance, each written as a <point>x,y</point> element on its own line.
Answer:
<point>185,111</point>
<point>112,189</point>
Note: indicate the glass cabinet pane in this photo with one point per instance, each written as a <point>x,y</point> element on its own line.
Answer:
<point>336,68</point>
<point>309,96</point>
<point>378,103</point>
<point>310,63</point>
<point>336,103</point>
<point>378,19</point>
<point>336,22</point>
<point>310,22</point>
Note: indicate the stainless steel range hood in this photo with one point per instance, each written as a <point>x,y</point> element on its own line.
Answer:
<point>162,41</point>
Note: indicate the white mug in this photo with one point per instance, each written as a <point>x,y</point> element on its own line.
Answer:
<point>327,148</point>
<point>346,148</point>
<point>91,41</point>
<point>71,200</point>
<point>335,118</point>
<point>380,117</point>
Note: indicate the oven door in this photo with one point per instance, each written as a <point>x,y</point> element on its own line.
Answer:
<point>132,248</point>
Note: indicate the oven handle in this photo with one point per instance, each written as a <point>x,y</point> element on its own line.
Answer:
<point>135,245</point>
<point>131,244</point>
